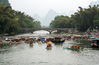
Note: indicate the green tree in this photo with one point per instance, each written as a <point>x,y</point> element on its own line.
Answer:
<point>84,18</point>
<point>60,22</point>
<point>7,20</point>
<point>12,21</point>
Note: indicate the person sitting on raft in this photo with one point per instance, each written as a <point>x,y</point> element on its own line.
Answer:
<point>75,47</point>
<point>31,43</point>
<point>49,44</point>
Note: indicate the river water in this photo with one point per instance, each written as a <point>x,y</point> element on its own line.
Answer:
<point>24,54</point>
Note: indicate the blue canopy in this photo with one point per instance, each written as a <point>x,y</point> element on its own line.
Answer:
<point>42,39</point>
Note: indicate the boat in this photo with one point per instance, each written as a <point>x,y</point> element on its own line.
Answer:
<point>95,43</point>
<point>72,49</point>
<point>58,40</point>
<point>49,48</point>
<point>61,41</point>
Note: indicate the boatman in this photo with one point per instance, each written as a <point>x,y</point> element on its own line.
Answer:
<point>49,44</point>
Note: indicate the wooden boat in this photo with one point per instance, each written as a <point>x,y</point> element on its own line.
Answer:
<point>49,48</point>
<point>61,41</point>
<point>16,39</point>
<point>58,40</point>
<point>72,49</point>
<point>95,43</point>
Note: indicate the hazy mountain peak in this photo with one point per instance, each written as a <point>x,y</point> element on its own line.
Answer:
<point>37,17</point>
<point>45,21</point>
<point>51,12</point>
<point>49,17</point>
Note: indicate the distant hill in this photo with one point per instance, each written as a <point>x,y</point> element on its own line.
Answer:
<point>49,17</point>
<point>94,3</point>
<point>6,2</point>
<point>37,17</point>
<point>45,21</point>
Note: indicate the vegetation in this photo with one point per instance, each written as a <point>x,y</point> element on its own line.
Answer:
<point>11,21</point>
<point>5,2</point>
<point>83,19</point>
<point>61,22</point>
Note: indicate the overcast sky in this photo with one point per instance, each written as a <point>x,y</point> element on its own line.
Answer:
<point>41,7</point>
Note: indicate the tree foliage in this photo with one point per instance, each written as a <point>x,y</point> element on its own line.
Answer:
<point>11,20</point>
<point>83,19</point>
<point>86,18</point>
<point>61,22</point>
<point>5,2</point>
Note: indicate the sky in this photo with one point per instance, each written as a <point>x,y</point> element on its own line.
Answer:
<point>41,7</point>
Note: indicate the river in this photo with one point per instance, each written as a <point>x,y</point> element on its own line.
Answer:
<point>24,54</point>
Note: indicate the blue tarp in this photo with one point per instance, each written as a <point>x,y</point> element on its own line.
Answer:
<point>42,39</point>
